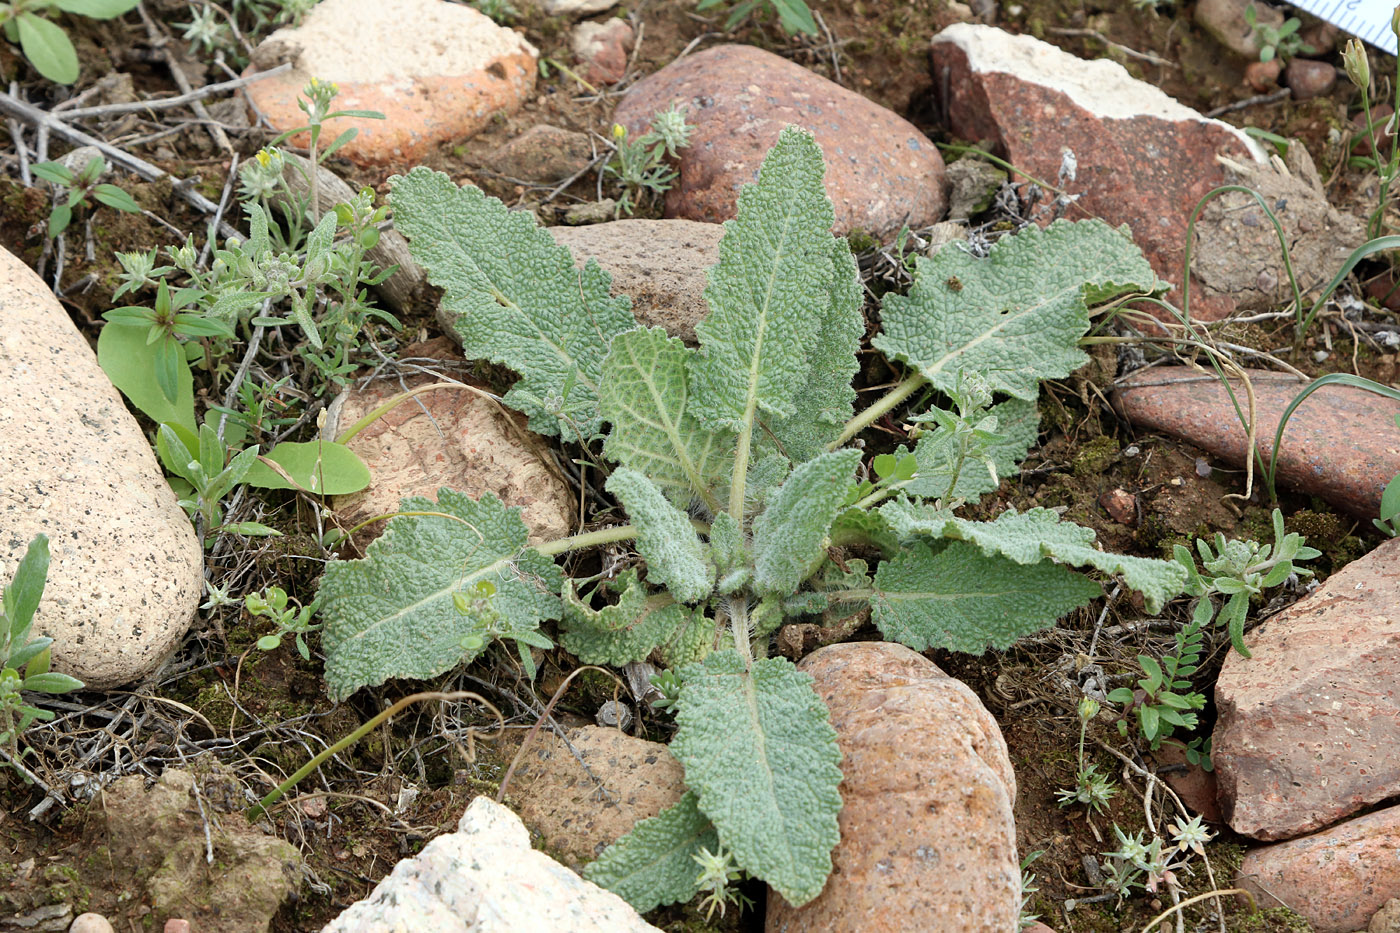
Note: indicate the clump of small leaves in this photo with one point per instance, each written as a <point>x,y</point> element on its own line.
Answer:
<point>643,165</point>
<point>1165,699</point>
<point>290,620</point>
<point>24,661</point>
<point>1282,42</point>
<point>73,189</point>
<point>746,503</point>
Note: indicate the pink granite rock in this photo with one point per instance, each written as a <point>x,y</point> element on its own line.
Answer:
<point>928,840</point>
<point>1337,880</point>
<point>881,172</point>
<point>438,71</point>
<point>1308,727</point>
<point>1141,158</point>
<point>1340,444</point>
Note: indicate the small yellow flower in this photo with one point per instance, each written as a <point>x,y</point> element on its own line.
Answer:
<point>263,157</point>
<point>619,132</point>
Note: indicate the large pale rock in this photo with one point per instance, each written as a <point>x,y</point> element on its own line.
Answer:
<point>926,824</point>
<point>438,71</point>
<point>662,264</point>
<point>881,172</point>
<point>1142,159</point>
<point>1337,880</point>
<point>159,834</point>
<point>581,805</point>
<point>1340,444</point>
<point>1308,727</point>
<point>485,878</point>
<point>449,437</point>
<point>126,571</point>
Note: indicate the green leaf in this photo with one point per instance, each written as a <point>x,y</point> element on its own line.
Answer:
<point>767,292</point>
<point>963,600</point>
<point>518,298</point>
<point>824,404</point>
<point>48,49</point>
<point>1018,421</point>
<point>97,9</point>
<point>644,396</point>
<point>759,750</point>
<point>52,683</point>
<point>53,172</point>
<point>59,219</point>
<point>629,630</point>
<point>115,197</point>
<point>1015,317</point>
<point>129,362</point>
<point>320,467</point>
<point>795,17</point>
<point>391,614</point>
<point>1030,537</point>
<point>790,535</point>
<point>676,557</point>
<point>26,588</point>
<point>1390,500</point>
<point>654,864</point>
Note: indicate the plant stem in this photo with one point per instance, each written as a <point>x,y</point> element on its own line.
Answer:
<point>588,539</point>
<point>259,809</point>
<point>888,402</point>
<point>739,626</point>
<point>738,484</point>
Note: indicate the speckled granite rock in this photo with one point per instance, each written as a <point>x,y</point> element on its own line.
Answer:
<point>126,571</point>
<point>438,71</point>
<point>662,264</point>
<point>447,437</point>
<point>485,878</point>
<point>928,840</point>
<point>580,807</point>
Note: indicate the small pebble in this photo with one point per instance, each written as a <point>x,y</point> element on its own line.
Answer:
<point>1307,78</point>
<point>1131,452</point>
<point>314,807</point>
<point>177,926</point>
<point>1320,356</point>
<point>1121,506</point>
<point>614,715</point>
<point>1262,76</point>
<point>1203,469</point>
<point>90,923</point>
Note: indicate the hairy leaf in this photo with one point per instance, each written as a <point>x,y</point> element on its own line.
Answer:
<point>1030,537</point>
<point>644,396</point>
<point>1017,420</point>
<point>626,631</point>
<point>767,292</point>
<point>789,536</point>
<point>1015,317</point>
<point>676,557</point>
<point>960,599</point>
<point>391,614</point>
<point>518,298</point>
<point>824,404</point>
<point>759,750</point>
<point>654,864</point>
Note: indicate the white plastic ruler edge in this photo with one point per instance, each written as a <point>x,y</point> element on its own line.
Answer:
<point>1368,20</point>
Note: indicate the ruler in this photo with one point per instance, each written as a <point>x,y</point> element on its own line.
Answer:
<point>1368,20</point>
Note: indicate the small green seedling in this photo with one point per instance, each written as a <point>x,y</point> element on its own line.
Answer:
<point>74,189</point>
<point>27,23</point>
<point>1241,569</point>
<point>209,475</point>
<point>1389,520</point>
<point>24,661</point>
<point>290,620</point>
<point>1091,789</point>
<point>641,165</point>
<point>793,15</point>
<point>1164,699</point>
<point>1281,42</point>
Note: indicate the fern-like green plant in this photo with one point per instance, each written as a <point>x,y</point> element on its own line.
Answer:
<point>744,501</point>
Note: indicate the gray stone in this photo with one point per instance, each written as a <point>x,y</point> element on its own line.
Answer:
<point>662,264</point>
<point>973,184</point>
<point>126,571</point>
<point>485,878</point>
<point>544,154</point>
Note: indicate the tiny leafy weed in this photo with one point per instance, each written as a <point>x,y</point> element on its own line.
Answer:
<point>24,660</point>
<point>746,501</point>
<point>73,189</point>
<point>29,24</point>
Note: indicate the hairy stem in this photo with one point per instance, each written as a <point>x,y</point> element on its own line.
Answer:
<point>888,402</point>
<point>588,539</point>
